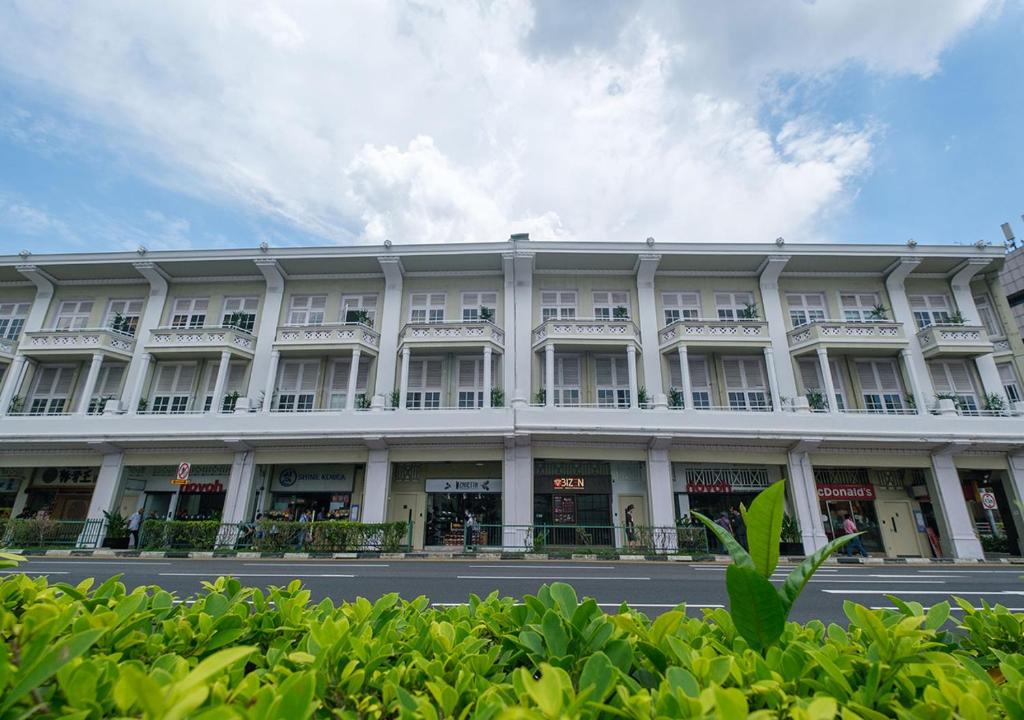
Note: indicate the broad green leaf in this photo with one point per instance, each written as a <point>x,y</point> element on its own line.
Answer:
<point>736,551</point>
<point>599,676</point>
<point>565,596</point>
<point>555,636</point>
<point>544,688</point>
<point>937,616</point>
<point>755,606</point>
<point>798,578</point>
<point>211,666</point>
<point>63,653</point>
<point>764,527</point>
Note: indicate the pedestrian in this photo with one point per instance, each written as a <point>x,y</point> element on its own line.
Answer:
<point>301,535</point>
<point>723,522</point>
<point>850,528</point>
<point>134,521</point>
<point>739,528</point>
<point>630,524</point>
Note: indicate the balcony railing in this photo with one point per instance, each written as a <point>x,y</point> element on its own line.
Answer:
<point>583,330</point>
<point>714,332</point>
<point>954,341</point>
<point>217,339</point>
<point>326,336</point>
<point>872,334</point>
<point>453,332</point>
<point>78,341</point>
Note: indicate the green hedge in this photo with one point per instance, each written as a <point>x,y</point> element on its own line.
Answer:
<point>179,534</point>
<point>274,536</point>
<point>235,652</point>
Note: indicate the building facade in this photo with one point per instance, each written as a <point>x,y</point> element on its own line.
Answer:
<point>569,385</point>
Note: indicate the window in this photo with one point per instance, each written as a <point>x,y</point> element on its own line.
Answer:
<point>12,319</point>
<point>930,309</point>
<point>307,309</point>
<point>426,307</point>
<point>240,312</point>
<point>805,307</point>
<point>987,315</point>
<point>700,382</point>
<point>567,379</point>
<point>1011,386</point>
<point>557,304</point>
<point>471,382</point>
<point>353,305</point>
<point>123,316</point>
<point>733,305</point>
<point>473,303</point>
<point>172,387</point>
<point>746,383</point>
<point>51,389</point>
<point>611,305</point>
<point>424,390</point>
<point>612,381</point>
<point>73,314</point>
<point>810,374</point>
<point>680,306</point>
<point>953,378</point>
<point>858,307</point>
<point>189,312</point>
<point>297,381</point>
<point>108,385</point>
<point>337,390</point>
<point>235,382</point>
<point>880,386</point>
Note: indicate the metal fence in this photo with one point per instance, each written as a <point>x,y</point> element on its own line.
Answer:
<point>623,538</point>
<point>41,533</point>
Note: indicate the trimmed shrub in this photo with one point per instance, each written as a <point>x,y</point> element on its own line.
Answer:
<point>179,534</point>
<point>275,536</point>
<point>235,652</point>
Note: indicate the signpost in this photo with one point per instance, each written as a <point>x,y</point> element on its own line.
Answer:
<point>988,500</point>
<point>182,476</point>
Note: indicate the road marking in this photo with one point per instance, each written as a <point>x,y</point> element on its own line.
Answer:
<point>20,572</point>
<point>281,575</point>
<point>851,577</point>
<point>954,608</point>
<point>542,577</point>
<point>632,605</point>
<point>508,566</point>
<point>902,582</point>
<point>323,566</point>
<point>86,561</point>
<point>924,592</point>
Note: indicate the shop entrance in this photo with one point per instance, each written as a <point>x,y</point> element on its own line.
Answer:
<point>633,515</point>
<point>448,513</point>
<point>897,524</point>
<point>989,506</point>
<point>862,512</point>
<point>408,507</point>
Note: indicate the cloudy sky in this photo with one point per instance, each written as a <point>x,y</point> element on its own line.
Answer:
<point>208,124</point>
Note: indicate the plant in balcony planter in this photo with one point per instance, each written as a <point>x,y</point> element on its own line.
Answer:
<point>759,609</point>
<point>641,397</point>
<point>911,401</point>
<point>749,312</point>
<point>119,324</point>
<point>361,317</point>
<point>497,397</point>
<point>542,397</point>
<point>791,543</point>
<point>487,314</point>
<point>396,398</point>
<point>16,405</point>
<point>620,312</point>
<point>949,396</point>
<point>957,318</point>
<point>995,402</point>
<point>816,400</point>
<point>236,320</point>
<point>363,402</point>
<point>675,397</point>
<point>879,312</point>
<point>143,404</point>
<point>117,531</point>
<point>230,400</point>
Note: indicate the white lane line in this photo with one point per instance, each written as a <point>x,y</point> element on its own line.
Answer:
<point>281,575</point>
<point>954,608</point>
<point>26,571</point>
<point>860,582</point>
<point>86,561</point>
<point>875,575</point>
<point>899,591</point>
<point>322,566</point>
<point>543,577</point>
<point>510,566</point>
<point>632,605</point>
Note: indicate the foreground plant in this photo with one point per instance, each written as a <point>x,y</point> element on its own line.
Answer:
<point>758,608</point>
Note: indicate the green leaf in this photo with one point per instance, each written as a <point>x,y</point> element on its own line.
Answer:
<point>764,527</point>
<point>555,636</point>
<point>755,606</point>
<point>49,664</point>
<point>797,579</point>
<point>598,676</point>
<point>937,616</point>
<point>544,688</point>
<point>211,666</point>
<point>565,596</point>
<point>736,551</point>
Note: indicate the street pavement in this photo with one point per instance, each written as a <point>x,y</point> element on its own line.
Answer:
<point>652,587</point>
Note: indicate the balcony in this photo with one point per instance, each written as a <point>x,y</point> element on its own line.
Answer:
<point>954,341</point>
<point>586,332</point>
<point>335,336</point>
<point>200,342</point>
<point>714,333</point>
<point>77,344</point>
<point>874,336</point>
<point>451,335</point>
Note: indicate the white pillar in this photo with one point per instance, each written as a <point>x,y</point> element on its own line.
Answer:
<point>549,375</point>
<point>221,381</point>
<point>12,382</point>
<point>517,494</point>
<point>487,376</point>
<point>403,380</point>
<point>914,360</point>
<point>826,380</point>
<point>151,315</point>
<point>915,381</point>
<point>660,496</point>
<point>952,509</point>
<point>773,382</point>
<point>390,319</point>
<point>634,388</point>
<point>521,356</point>
<point>805,500</point>
<point>353,377</point>
<point>375,487</point>
<point>647,316</point>
<point>238,494</point>
<point>774,315</point>
<point>990,380</point>
<point>141,365</point>
<point>90,383</point>
<point>271,381</point>
<point>684,375</point>
<point>1014,488</point>
<point>107,493</point>
<point>508,326</point>
<point>266,331</point>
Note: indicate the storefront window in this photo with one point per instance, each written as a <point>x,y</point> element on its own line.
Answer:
<point>447,514</point>
<point>833,512</point>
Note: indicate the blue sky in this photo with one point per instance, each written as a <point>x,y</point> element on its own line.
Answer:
<point>216,125</point>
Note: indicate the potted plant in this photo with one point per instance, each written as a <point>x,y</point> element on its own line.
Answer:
<point>879,312</point>
<point>487,314</point>
<point>396,398</point>
<point>143,404</point>
<point>749,312</point>
<point>816,400</point>
<point>542,397</point>
<point>620,312</point>
<point>790,543</point>
<point>230,399</point>
<point>17,403</point>
<point>641,397</point>
<point>362,402</point>
<point>675,397</point>
<point>359,317</point>
<point>497,397</point>
<point>995,403</point>
<point>956,318</point>
<point>117,531</point>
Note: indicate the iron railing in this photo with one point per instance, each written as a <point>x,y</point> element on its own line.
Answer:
<point>43,533</point>
<point>625,538</point>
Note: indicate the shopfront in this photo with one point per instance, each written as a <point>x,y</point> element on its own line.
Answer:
<point>325,489</point>
<point>574,499</point>
<point>64,493</point>
<point>989,506</point>
<point>714,489</point>
<point>452,502</point>
<point>11,480</point>
<point>201,498</point>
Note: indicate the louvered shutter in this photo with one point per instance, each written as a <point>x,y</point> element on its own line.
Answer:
<point>940,379</point>
<point>469,374</point>
<point>888,376</point>
<point>288,381</point>
<point>866,375</point>
<point>109,382</point>
<point>433,373</point>
<point>700,379</point>
<point>675,373</point>
<point>604,371</point>
<point>810,375</point>
<point>310,374</point>
<point>961,377</point>
<point>733,374</point>
<point>549,298</point>
<point>753,372</point>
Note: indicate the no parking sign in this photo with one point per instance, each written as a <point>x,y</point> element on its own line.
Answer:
<point>988,500</point>
<point>183,472</point>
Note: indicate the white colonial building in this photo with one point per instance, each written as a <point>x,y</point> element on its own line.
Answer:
<point>567,384</point>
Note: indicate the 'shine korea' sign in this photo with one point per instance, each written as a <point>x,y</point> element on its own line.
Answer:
<point>846,492</point>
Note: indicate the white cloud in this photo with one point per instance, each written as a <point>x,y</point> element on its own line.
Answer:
<point>442,122</point>
<point>20,217</point>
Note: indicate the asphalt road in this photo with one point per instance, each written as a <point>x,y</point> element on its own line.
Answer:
<point>648,586</point>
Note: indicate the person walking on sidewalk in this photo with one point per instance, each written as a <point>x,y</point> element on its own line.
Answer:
<point>850,528</point>
<point>134,521</point>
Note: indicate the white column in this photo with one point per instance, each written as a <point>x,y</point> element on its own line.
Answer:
<point>517,494</point>
<point>487,376</point>
<point>271,381</point>
<point>773,381</point>
<point>915,381</point>
<point>403,379</point>
<point>141,365</point>
<point>390,319</point>
<point>353,377</point>
<point>647,316</point>
<point>107,493</point>
<point>549,375</point>
<point>524,357</point>
<point>917,369</point>
<point>631,368</point>
<point>826,379</point>
<point>90,383</point>
<point>955,518</point>
<point>964,298</point>
<point>774,315</point>
<point>508,326</point>
<point>15,375</point>
<point>660,496</point>
<point>12,381</point>
<point>684,375</point>
<point>220,382</point>
<point>238,494</point>
<point>1014,488</point>
<point>804,494</point>
<point>151,314</point>
<point>375,487</point>
<point>266,331</point>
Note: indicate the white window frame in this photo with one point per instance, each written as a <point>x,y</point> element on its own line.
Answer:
<point>702,394</point>
<point>557,305</point>
<point>615,391</point>
<point>130,310</point>
<point>177,399</point>
<point>12,319</point>
<point>1011,383</point>
<point>337,380</point>
<point>245,305</point>
<point>189,312</point>
<point>471,395</point>
<point>680,305</point>
<point>748,395</point>
<point>605,302</point>
<point>567,394</point>
<point>73,314</point>
<point>987,315</point>
<point>881,400</point>
<point>806,307</point>
<point>474,300</point>
<point>810,365</point>
<point>234,382</point>
<point>931,309</point>
<point>857,305</point>
<point>730,303</point>
<point>427,307</point>
<point>108,385</point>
<point>364,301</point>
<point>945,380</point>
<point>307,310</point>
<point>301,397</point>
<point>55,399</point>
<point>421,394</point>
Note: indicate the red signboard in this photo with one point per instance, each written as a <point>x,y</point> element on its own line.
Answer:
<point>214,487</point>
<point>721,487</point>
<point>569,483</point>
<point>846,492</point>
